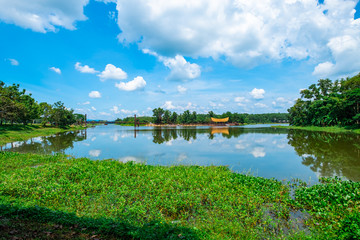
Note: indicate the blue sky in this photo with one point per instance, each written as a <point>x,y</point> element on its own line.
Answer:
<point>112,59</point>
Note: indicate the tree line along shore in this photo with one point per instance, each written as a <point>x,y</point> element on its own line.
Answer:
<point>167,117</point>
<point>328,103</point>
<point>16,106</point>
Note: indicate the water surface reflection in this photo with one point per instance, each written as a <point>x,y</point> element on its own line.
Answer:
<point>263,151</point>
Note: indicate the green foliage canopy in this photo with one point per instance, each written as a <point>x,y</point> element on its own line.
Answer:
<point>16,106</point>
<point>328,103</point>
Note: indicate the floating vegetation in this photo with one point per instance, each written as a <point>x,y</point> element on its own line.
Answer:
<point>136,201</point>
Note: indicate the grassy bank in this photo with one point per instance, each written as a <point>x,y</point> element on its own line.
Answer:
<point>323,129</point>
<point>12,133</point>
<point>134,201</point>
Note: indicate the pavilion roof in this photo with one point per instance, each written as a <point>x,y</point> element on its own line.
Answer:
<point>220,120</point>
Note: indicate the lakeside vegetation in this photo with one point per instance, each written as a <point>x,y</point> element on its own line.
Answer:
<point>332,129</point>
<point>16,106</point>
<point>161,116</point>
<point>12,133</point>
<point>135,201</point>
<point>328,103</point>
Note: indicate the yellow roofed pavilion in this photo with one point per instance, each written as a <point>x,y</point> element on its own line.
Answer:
<point>220,120</point>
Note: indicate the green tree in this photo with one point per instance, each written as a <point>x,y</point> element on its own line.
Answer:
<point>211,114</point>
<point>10,106</point>
<point>157,114</point>
<point>193,117</point>
<point>166,117</point>
<point>186,117</point>
<point>174,117</point>
<point>45,112</point>
<point>30,109</point>
<point>79,118</point>
<point>328,103</point>
<point>61,116</point>
<point>353,106</point>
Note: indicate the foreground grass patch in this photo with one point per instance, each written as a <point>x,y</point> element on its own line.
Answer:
<point>201,202</point>
<point>135,201</point>
<point>10,161</point>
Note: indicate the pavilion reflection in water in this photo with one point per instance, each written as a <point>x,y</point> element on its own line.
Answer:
<point>221,130</point>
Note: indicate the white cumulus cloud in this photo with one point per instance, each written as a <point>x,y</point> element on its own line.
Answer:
<point>216,105</point>
<point>180,69</point>
<point>136,84</point>
<point>43,16</point>
<point>281,102</point>
<point>128,112</point>
<point>105,114</point>
<point>245,33</point>
<point>57,70</point>
<point>257,93</point>
<point>168,105</point>
<point>345,51</point>
<point>115,109</point>
<point>85,69</point>
<point>14,62</point>
<point>260,105</point>
<point>95,94</point>
<point>241,101</point>
<point>84,103</point>
<point>112,72</point>
<point>181,89</point>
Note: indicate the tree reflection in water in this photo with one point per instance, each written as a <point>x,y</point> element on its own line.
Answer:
<point>162,135</point>
<point>329,154</point>
<point>56,143</point>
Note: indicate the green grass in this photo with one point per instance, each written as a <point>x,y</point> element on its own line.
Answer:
<point>136,201</point>
<point>334,129</point>
<point>142,200</point>
<point>12,133</point>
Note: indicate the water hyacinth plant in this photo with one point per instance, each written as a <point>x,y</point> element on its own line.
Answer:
<point>136,201</point>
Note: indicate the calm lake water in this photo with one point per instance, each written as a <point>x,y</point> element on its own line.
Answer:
<point>258,149</point>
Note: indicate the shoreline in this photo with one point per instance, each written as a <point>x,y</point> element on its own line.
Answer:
<point>322,129</point>
<point>13,133</point>
<point>198,125</point>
